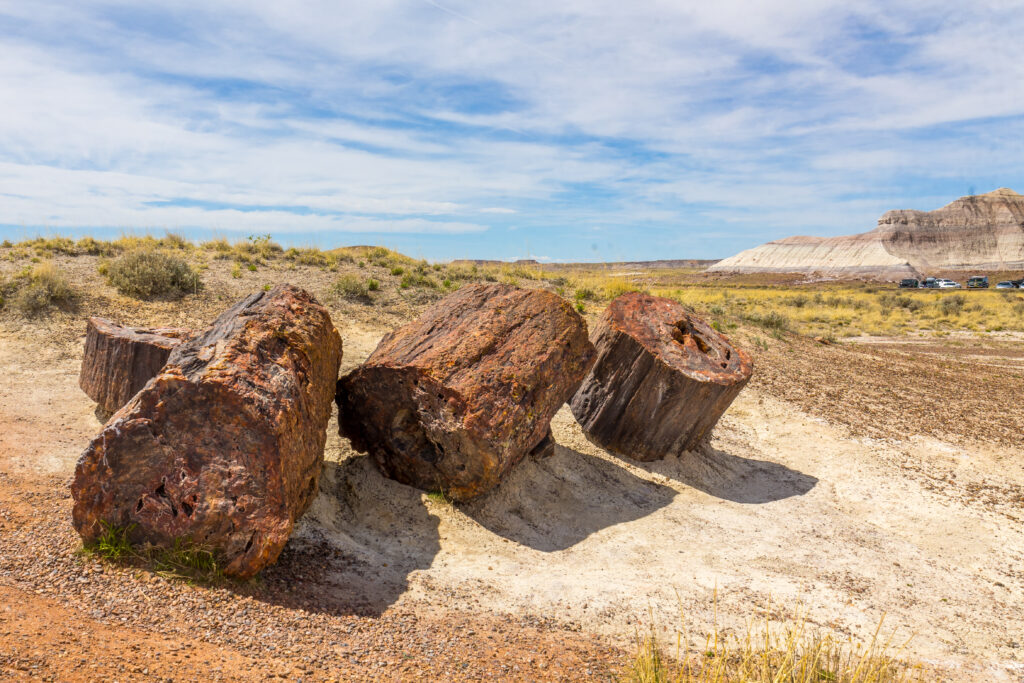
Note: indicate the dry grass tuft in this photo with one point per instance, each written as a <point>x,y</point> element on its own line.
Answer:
<point>771,654</point>
<point>36,290</point>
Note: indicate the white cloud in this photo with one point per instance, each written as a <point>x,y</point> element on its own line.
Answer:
<point>434,116</point>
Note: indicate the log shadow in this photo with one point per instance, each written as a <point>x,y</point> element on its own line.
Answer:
<point>354,549</point>
<point>553,503</point>
<point>732,477</point>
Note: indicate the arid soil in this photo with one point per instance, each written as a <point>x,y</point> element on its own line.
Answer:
<point>846,484</point>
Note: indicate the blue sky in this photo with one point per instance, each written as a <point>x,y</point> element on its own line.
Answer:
<point>554,130</point>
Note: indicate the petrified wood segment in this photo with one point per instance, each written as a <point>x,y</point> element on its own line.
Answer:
<point>662,379</point>
<point>223,448</point>
<point>453,400</point>
<point>119,360</point>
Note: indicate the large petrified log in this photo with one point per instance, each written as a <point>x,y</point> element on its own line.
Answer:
<point>662,379</point>
<point>454,399</point>
<point>223,448</point>
<point>119,360</point>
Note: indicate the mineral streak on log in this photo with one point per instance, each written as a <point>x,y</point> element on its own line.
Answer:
<point>662,379</point>
<point>118,360</point>
<point>455,399</point>
<point>223,448</point>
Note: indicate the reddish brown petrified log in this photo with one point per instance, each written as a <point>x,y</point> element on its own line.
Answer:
<point>453,400</point>
<point>118,360</point>
<point>223,448</point>
<point>662,379</point>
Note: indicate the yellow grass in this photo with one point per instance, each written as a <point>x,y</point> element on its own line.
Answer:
<point>771,653</point>
<point>849,311</point>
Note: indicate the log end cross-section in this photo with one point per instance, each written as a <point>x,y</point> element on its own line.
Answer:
<point>662,379</point>
<point>119,360</point>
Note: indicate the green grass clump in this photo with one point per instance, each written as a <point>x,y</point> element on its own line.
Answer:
<point>183,560</point>
<point>113,543</point>
<point>149,273</point>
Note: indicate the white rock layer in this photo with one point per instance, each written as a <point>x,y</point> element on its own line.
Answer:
<point>983,232</point>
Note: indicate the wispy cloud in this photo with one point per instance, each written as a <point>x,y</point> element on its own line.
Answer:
<point>654,126</point>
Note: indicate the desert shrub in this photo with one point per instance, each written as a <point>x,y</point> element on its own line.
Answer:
<point>398,270</point>
<point>150,273</point>
<point>372,285</point>
<point>798,301</point>
<point>173,240</point>
<point>585,294</point>
<point>952,305</point>
<point>309,257</point>
<point>350,287</point>
<point>773,320</point>
<point>93,247</point>
<point>909,303</point>
<point>6,244</point>
<point>416,280</point>
<point>39,289</point>
<point>220,246</point>
<point>617,287</point>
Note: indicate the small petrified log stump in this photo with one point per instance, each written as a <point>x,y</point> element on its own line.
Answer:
<point>119,360</point>
<point>662,379</point>
<point>223,448</point>
<point>455,399</point>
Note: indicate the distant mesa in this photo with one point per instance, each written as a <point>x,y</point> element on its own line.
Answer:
<point>975,233</point>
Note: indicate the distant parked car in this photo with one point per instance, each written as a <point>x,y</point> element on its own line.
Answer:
<point>930,283</point>
<point>949,284</point>
<point>1005,284</point>
<point>977,282</point>
<point>909,283</point>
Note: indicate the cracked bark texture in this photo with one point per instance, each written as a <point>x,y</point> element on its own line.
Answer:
<point>119,360</point>
<point>662,379</point>
<point>223,448</point>
<point>453,400</point>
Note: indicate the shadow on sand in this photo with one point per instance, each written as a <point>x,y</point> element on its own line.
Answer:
<point>353,551</point>
<point>553,503</point>
<point>357,544</point>
<point>731,477</point>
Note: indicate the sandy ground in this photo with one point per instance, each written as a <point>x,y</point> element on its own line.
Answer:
<point>783,511</point>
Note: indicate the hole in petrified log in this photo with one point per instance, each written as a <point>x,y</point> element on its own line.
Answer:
<point>138,508</point>
<point>248,546</point>
<point>162,493</point>
<point>407,436</point>
<point>183,475</point>
<point>188,509</point>
<point>687,336</point>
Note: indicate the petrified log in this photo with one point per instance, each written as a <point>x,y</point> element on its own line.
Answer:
<point>119,360</point>
<point>662,379</point>
<point>456,398</point>
<point>223,448</point>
